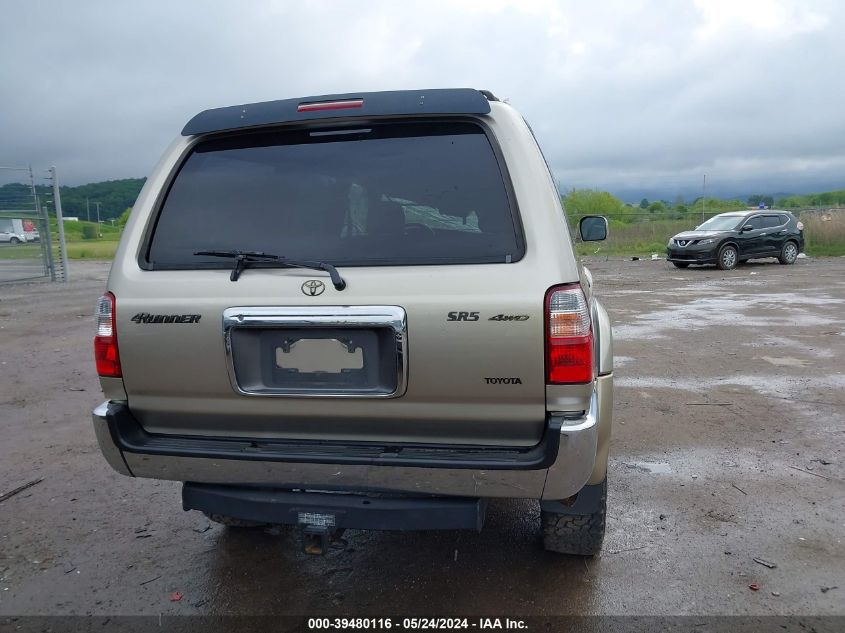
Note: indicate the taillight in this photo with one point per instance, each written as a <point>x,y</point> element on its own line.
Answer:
<point>569,336</point>
<point>105,342</point>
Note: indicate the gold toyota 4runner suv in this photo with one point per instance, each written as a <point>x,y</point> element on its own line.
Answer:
<point>359,311</point>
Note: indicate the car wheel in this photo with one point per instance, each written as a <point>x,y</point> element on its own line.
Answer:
<point>680,264</point>
<point>14,240</point>
<point>727,258</point>
<point>789,253</point>
<point>577,529</point>
<point>222,519</point>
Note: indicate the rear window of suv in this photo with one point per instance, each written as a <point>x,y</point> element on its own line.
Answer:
<point>771,221</point>
<point>386,194</point>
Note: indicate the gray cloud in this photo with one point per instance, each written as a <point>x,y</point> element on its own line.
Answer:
<point>627,95</point>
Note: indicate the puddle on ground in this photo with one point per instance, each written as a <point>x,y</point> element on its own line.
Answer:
<point>629,292</point>
<point>703,313</point>
<point>785,387</point>
<point>785,361</point>
<point>654,468</point>
<point>783,341</point>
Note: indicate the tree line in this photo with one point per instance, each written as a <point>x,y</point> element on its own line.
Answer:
<point>578,202</point>
<point>825,199</point>
<point>114,196</point>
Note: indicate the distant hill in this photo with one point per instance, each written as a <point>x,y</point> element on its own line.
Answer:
<point>114,197</point>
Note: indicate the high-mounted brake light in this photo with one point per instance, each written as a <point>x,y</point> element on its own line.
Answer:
<point>569,336</point>
<point>318,106</point>
<point>105,341</point>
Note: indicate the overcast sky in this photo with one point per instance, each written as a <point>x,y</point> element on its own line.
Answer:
<point>629,95</point>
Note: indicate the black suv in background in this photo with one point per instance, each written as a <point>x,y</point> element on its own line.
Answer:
<point>733,238</point>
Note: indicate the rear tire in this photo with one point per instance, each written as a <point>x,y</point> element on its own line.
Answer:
<point>14,240</point>
<point>680,264</point>
<point>577,530</point>
<point>789,253</point>
<point>727,258</point>
<point>232,522</point>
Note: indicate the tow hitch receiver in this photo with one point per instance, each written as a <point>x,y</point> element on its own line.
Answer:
<point>317,530</point>
<point>316,539</point>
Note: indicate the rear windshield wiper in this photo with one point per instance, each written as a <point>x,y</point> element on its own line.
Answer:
<point>245,258</point>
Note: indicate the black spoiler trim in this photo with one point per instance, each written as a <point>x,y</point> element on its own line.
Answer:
<point>443,101</point>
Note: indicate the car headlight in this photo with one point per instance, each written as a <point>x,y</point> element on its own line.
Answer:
<point>671,241</point>
<point>709,240</point>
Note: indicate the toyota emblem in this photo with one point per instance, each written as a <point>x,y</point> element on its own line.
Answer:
<point>313,287</point>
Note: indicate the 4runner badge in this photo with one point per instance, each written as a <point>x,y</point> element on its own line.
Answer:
<point>313,287</point>
<point>145,317</point>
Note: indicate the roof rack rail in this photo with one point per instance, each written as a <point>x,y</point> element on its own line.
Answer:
<point>490,96</point>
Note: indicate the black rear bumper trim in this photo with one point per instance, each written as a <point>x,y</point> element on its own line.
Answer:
<point>130,437</point>
<point>337,511</point>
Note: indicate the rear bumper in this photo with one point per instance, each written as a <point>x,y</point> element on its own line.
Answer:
<point>554,469</point>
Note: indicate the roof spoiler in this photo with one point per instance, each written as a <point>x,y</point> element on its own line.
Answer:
<point>357,105</point>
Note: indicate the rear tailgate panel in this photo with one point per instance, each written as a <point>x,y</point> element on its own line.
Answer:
<point>470,379</point>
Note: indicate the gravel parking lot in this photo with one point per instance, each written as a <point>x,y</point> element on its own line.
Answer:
<point>728,447</point>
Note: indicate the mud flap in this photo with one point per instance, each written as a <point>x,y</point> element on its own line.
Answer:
<point>586,501</point>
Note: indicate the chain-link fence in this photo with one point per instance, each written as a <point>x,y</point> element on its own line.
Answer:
<point>30,245</point>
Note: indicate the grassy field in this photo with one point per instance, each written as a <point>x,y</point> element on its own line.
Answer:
<point>824,235</point>
<point>637,239</point>
<point>92,249</point>
<point>75,231</point>
<point>78,247</point>
<point>88,249</point>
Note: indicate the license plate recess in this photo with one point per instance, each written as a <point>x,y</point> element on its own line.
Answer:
<point>261,364</point>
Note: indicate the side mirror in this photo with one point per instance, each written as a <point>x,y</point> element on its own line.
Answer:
<point>745,228</point>
<point>593,228</point>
